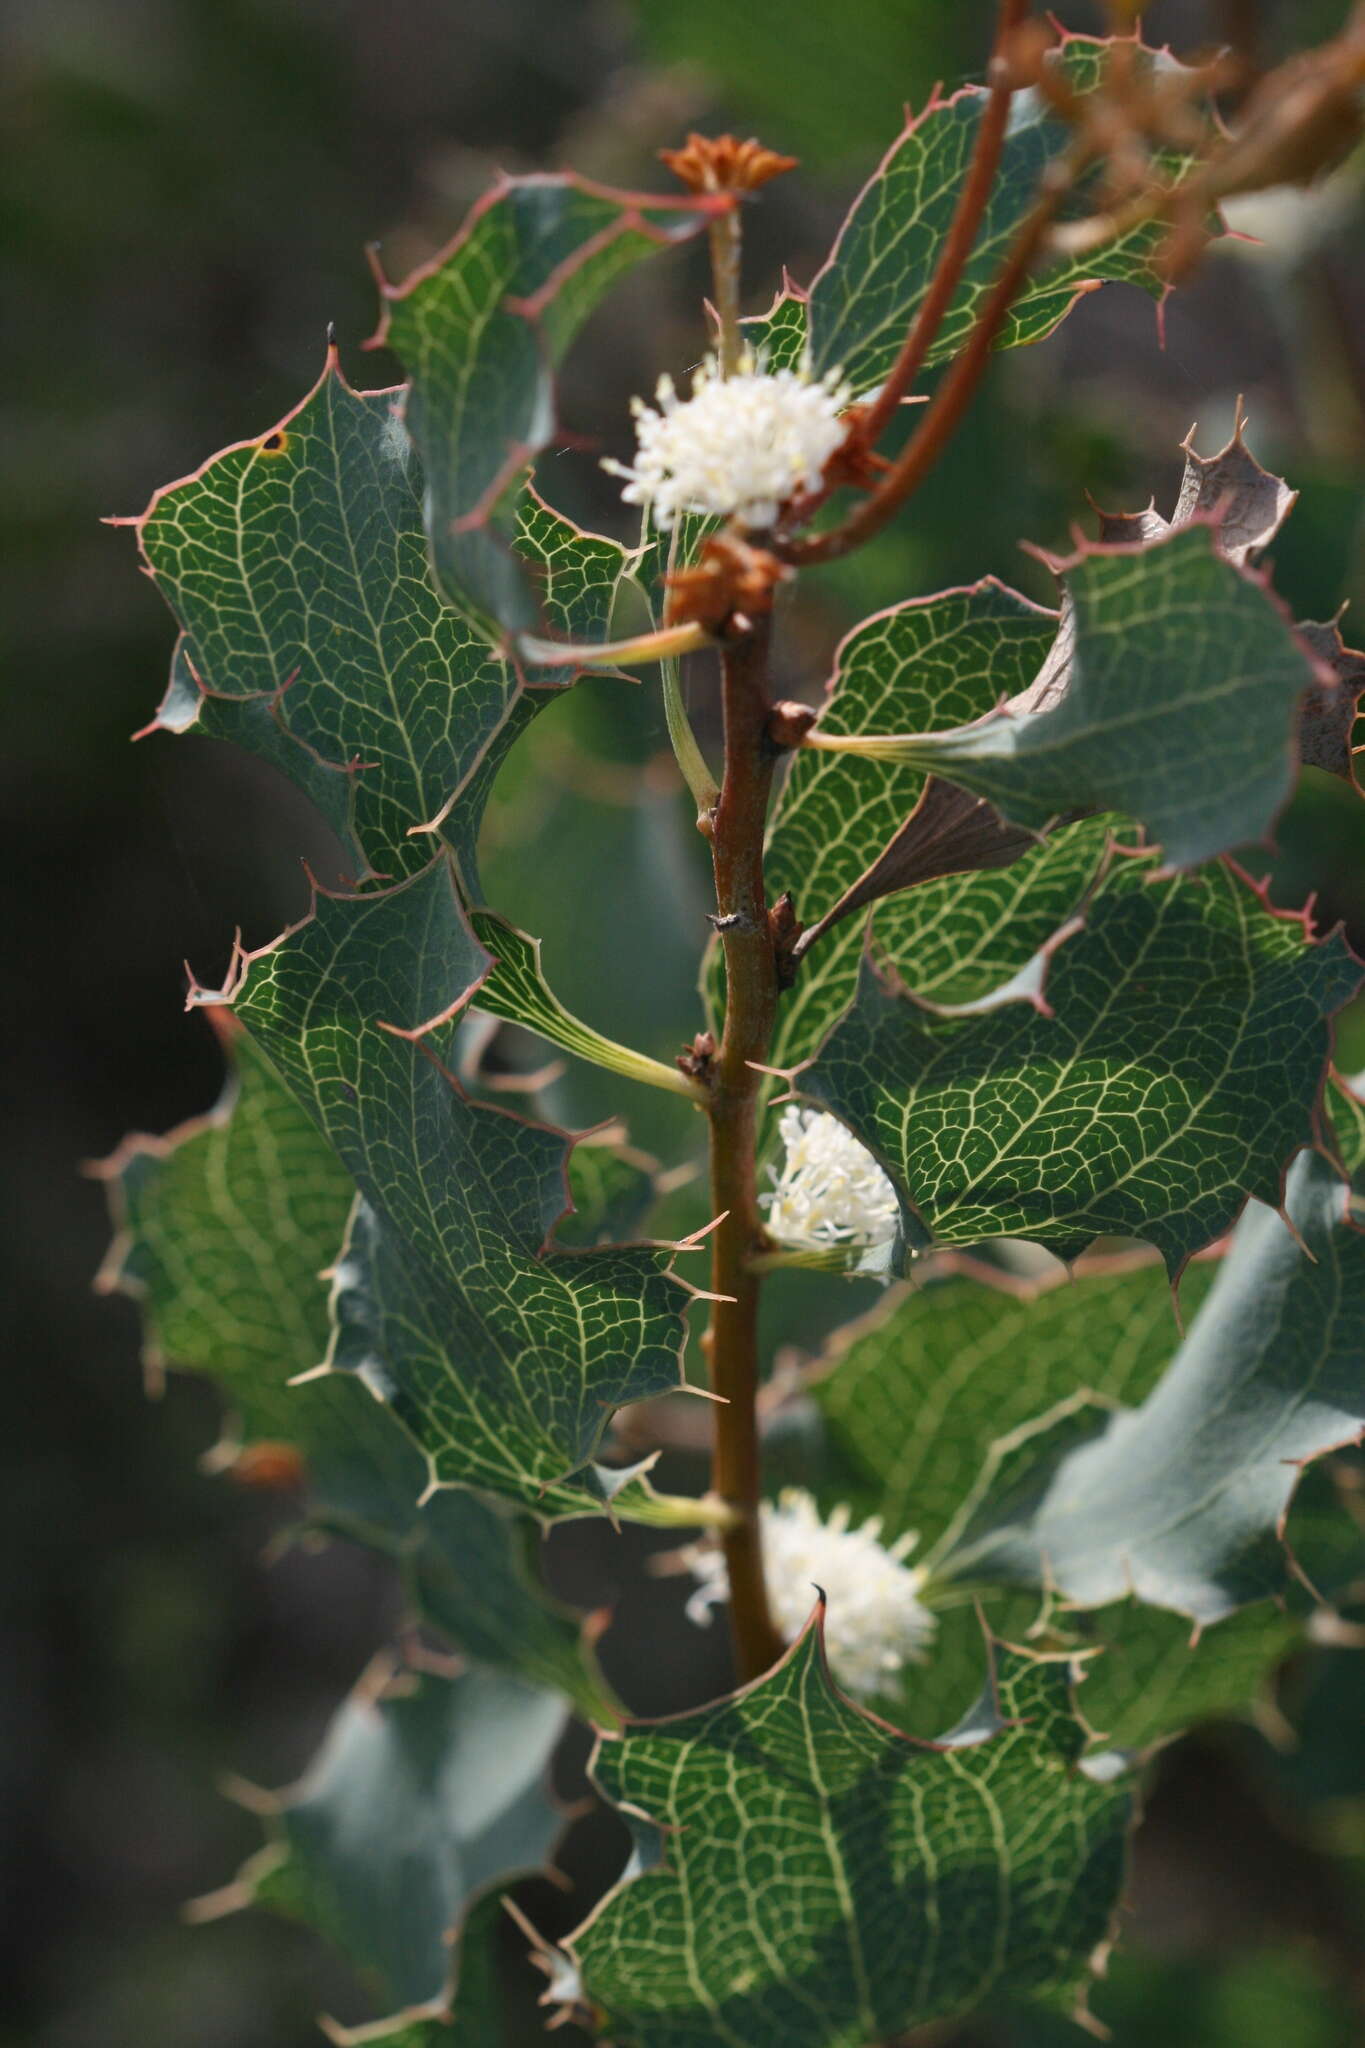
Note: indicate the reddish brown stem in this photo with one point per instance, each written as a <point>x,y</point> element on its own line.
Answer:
<point>942,417</point>
<point>961,239</point>
<point>750,1010</point>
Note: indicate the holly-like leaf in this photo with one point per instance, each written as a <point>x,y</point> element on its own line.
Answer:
<point>915,1396</point>
<point>920,1401</point>
<point>476,2013</point>
<point>224,1231</point>
<point>1157,1677</point>
<point>1182,1502</point>
<point>313,635</point>
<point>427,1792</point>
<point>861,304</point>
<point>502,1353</point>
<point>940,661</point>
<point>1245,503</point>
<point>1247,506</point>
<point>1173,1073</point>
<point>826,1883</point>
<point>480,329</point>
<point>1172,695</point>
<point>614,1187</point>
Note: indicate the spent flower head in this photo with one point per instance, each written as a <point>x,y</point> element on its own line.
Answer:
<point>875,1620</point>
<point>739,447</point>
<point>831,1190</point>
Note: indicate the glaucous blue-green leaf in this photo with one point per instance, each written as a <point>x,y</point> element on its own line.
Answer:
<point>476,2013</point>
<point>427,1792</point>
<point>1174,1072</point>
<point>313,634</point>
<point>225,1230</point>
<point>502,1353</point>
<point>823,1882</point>
<point>1183,1500</point>
<point>1172,695</point>
<point>480,329</point>
<point>860,307</point>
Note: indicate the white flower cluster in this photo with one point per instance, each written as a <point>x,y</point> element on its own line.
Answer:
<point>831,1190</point>
<point>875,1621</point>
<point>740,445</point>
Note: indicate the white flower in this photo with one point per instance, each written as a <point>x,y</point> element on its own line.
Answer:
<point>875,1621</point>
<point>739,445</point>
<point>831,1190</point>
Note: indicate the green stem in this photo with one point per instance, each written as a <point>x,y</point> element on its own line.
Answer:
<point>691,761</point>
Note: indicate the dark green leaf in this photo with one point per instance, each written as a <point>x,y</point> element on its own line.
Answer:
<point>938,662</point>
<point>1182,1502</point>
<point>860,307</point>
<point>1158,1677</point>
<point>916,1395</point>
<point>313,636</point>
<point>1176,1073</point>
<point>480,329</point>
<point>826,1883</point>
<point>504,1354</point>
<point>1171,695</point>
<point>918,1401</point>
<point>225,1228</point>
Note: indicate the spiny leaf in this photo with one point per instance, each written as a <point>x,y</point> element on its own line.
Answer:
<point>1150,1675</point>
<point>476,2016</point>
<point>919,1399</point>
<point>1157,1677</point>
<point>427,1791</point>
<point>313,635</point>
<point>1182,1501</point>
<point>915,1396</point>
<point>503,1354</point>
<point>1245,503</point>
<point>1171,695</point>
<point>1176,1074</point>
<point>517,991</point>
<point>480,329</point>
<point>1328,717</point>
<point>859,309</point>
<point>224,1230</point>
<point>1248,506</point>
<point>941,661</point>
<point>826,1883</point>
<point>614,1187</point>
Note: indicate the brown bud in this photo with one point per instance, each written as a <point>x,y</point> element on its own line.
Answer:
<point>789,722</point>
<point>730,578</point>
<point>721,163</point>
<point>698,1058</point>
<point>785,928</point>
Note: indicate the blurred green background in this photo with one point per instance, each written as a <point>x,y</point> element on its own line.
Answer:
<point>187,188</point>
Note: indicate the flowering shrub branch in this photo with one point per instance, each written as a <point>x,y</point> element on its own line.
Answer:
<point>979,911</point>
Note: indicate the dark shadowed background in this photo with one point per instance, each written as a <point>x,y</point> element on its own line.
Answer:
<point>187,189</point>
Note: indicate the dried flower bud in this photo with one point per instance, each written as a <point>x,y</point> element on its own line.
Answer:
<point>721,163</point>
